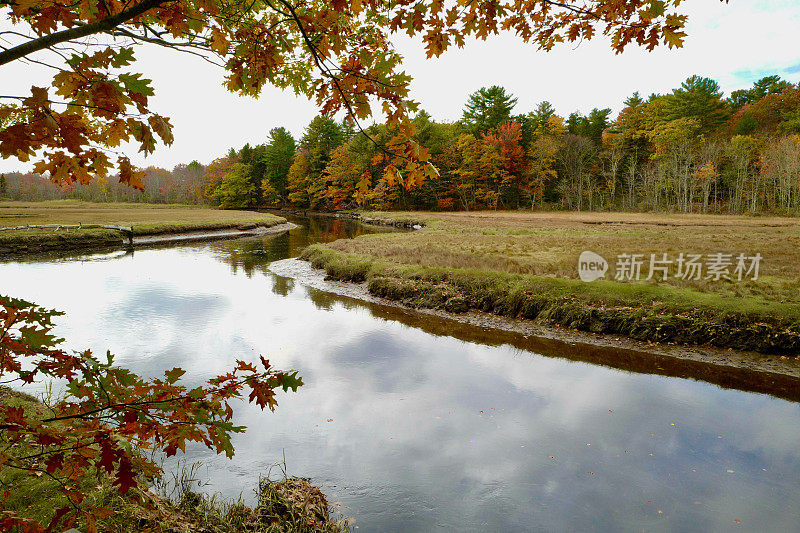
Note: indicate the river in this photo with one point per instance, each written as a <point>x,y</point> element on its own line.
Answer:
<point>411,428</point>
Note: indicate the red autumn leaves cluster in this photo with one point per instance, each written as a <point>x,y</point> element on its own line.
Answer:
<point>90,112</point>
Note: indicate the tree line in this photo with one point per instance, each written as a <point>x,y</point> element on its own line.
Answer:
<point>688,150</point>
<point>184,184</point>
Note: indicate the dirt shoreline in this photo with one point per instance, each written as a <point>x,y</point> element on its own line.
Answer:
<point>771,374</point>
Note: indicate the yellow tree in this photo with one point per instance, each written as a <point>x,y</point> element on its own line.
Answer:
<point>344,174</point>
<point>541,167</point>
<point>300,182</point>
<point>674,143</point>
<point>780,168</point>
<point>214,173</point>
<point>742,152</point>
<point>611,156</point>
<point>706,176</point>
<point>469,171</point>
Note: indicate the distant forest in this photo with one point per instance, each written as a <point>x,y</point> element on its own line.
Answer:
<point>689,150</point>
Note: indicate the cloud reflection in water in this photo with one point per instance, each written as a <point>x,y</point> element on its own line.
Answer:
<point>431,431</point>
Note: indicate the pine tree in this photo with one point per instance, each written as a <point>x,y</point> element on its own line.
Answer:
<point>278,160</point>
<point>487,108</point>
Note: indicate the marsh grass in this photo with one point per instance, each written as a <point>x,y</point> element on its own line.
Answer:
<point>525,265</point>
<point>291,505</point>
<point>548,245</point>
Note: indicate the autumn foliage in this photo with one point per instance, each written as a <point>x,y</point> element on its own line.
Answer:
<point>338,54</point>
<point>690,150</point>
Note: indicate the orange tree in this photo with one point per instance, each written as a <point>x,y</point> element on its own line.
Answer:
<point>337,53</point>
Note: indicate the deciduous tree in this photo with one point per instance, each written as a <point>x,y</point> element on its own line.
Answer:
<point>235,190</point>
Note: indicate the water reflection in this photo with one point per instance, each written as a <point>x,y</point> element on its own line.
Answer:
<point>428,430</point>
<point>255,254</point>
<point>782,386</point>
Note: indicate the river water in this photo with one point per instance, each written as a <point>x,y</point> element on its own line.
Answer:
<point>412,427</point>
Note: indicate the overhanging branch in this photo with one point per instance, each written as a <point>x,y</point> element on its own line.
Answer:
<point>104,25</point>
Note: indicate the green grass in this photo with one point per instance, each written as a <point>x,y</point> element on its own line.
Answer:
<point>39,497</point>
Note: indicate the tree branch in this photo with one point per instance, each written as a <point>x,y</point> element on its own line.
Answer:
<point>103,25</point>
<point>178,47</point>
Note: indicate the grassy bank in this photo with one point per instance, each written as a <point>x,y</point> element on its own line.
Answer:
<point>288,505</point>
<point>145,219</point>
<point>525,265</point>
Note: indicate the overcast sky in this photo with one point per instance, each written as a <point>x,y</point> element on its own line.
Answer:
<point>735,43</point>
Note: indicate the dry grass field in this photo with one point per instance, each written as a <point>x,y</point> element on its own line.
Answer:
<point>148,215</point>
<point>526,265</point>
<point>145,219</point>
<point>548,244</point>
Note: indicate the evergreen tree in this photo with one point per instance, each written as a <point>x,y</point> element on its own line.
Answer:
<point>591,126</point>
<point>633,100</point>
<point>257,172</point>
<point>487,108</point>
<point>278,159</point>
<point>700,99</point>
<point>542,113</point>
<point>322,135</point>
<point>534,123</point>
<point>764,87</point>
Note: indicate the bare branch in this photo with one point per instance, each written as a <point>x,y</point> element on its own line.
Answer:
<point>179,47</point>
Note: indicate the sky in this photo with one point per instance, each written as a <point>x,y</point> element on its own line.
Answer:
<point>734,43</point>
